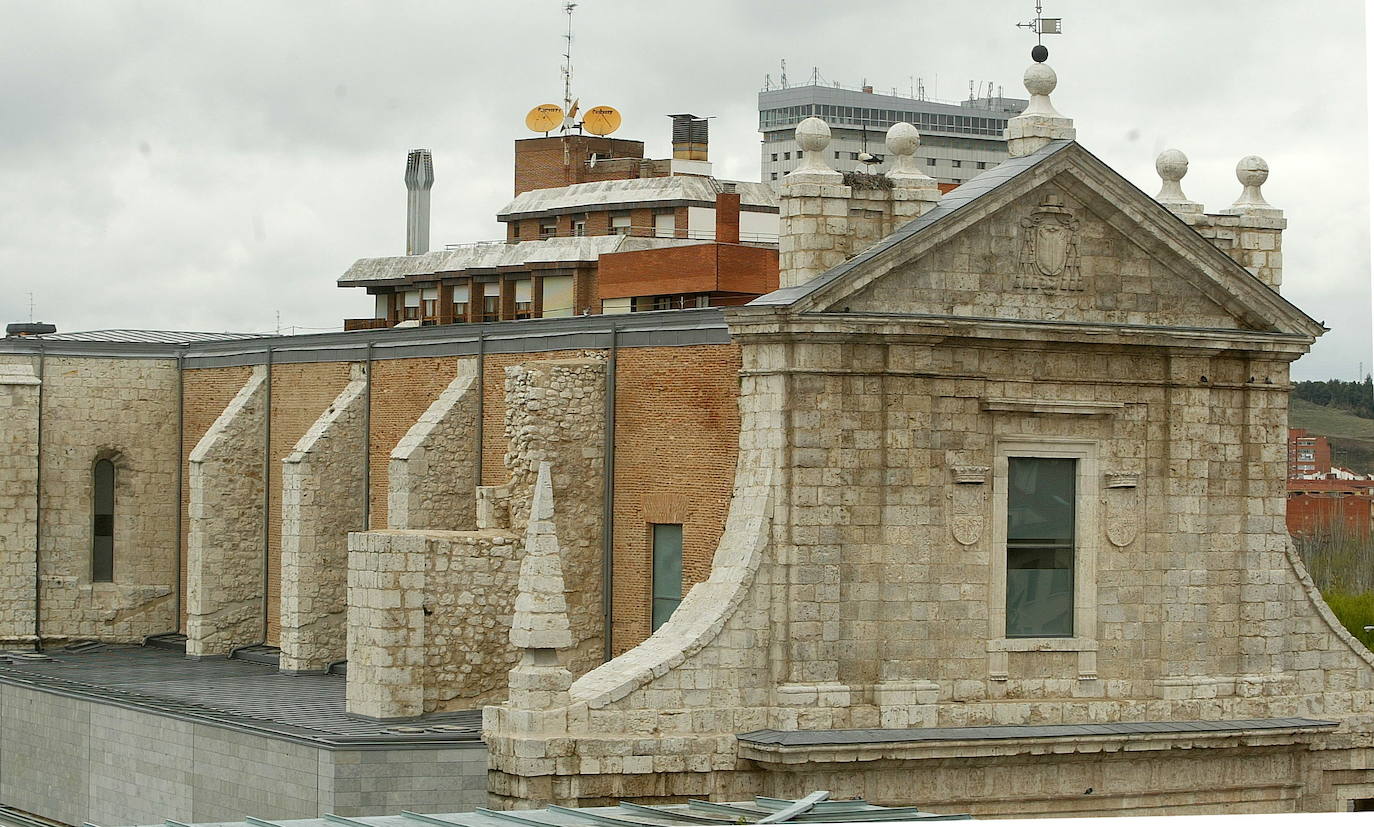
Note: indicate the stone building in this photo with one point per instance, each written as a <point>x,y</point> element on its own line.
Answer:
<point>989,493</point>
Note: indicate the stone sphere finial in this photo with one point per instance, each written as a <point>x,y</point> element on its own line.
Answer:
<point>813,135</point>
<point>1172,165</point>
<point>903,139</point>
<point>1040,79</point>
<point>1251,172</point>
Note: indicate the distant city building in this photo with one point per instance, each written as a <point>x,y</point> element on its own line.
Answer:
<point>958,141</point>
<point>595,227</point>
<point>1308,454</point>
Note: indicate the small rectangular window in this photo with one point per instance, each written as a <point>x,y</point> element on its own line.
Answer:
<point>667,573</point>
<point>957,164</point>
<point>787,156</point>
<point>775,156</point>
<point>1040,546</point>
<point>579,227</point>
<point>774,176</point>
<point>620,225</point>
<point>102,529</point>
<point>548,230</point>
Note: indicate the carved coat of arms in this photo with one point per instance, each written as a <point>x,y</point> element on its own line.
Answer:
<point>966,503</point>
<point>1123,508</point>
<point>1049,248</point>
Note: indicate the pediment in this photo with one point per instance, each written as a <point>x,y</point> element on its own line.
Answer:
<point>1064,239</point>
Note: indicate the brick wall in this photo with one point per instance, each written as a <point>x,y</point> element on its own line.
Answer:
<point>1318,514</point>
<point>402,390</point>
<point>698,268</point>
<point>677,433</point>
<point>542,162</point>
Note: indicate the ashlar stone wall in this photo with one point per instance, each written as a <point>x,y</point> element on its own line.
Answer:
<point>322,499</point>
<point>857,583</point>
<point>433,469</point>
<point>18,488</point>
<point>225,543</point>
<point>123,410</point>
<point>430,610</point>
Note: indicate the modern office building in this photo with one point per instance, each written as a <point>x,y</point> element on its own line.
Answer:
<point>958,141</point>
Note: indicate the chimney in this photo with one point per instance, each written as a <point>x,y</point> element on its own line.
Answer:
<point>689,138</point>
<point>727,217</point>
<point>419,179</point>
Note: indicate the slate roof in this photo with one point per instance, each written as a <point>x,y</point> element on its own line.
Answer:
<point>500,254</point>
<point>847,737</point>
<point>169,337</point>
<point>622,193</point>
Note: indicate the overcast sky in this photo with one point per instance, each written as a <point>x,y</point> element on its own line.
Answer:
<point>210,165</point>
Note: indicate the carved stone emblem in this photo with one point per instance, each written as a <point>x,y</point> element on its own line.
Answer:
<point>966,511</point>
<point>1049,248</point>
<point>1122,507</point>
<point>967,528</point>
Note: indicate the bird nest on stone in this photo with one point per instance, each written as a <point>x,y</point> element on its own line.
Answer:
<point>867,181</point>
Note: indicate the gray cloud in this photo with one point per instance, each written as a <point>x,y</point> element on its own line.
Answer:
<point>207,166</point>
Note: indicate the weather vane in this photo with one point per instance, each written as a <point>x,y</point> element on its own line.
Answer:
<point>1042,26</point>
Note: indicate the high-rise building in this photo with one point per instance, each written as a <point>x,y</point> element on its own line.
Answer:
<point>958,140</point>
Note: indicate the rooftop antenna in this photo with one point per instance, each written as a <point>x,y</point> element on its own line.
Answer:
<point>1042,26</point>
<point>30,305</point>
<point>767,82</point>
<point>782,78</point>
<point>570,111</point>
<point>815,76</point>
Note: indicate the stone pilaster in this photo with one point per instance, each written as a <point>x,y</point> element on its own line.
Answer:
<point>19,389</point>
<point>225,542</point>
<point>1258,226</point>
<point>814,205</point>
<point>913,192</point>
<point>1039,123</point>
<point>322,498</point>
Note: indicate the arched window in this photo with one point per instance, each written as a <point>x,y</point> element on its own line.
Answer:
<point>102,521</point>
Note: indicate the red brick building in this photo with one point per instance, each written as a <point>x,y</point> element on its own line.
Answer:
<point>594,228</point>
<point>1307,453</point>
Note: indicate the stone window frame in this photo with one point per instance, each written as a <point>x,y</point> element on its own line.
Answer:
<point>1087,530</point>
<point>118,518</point>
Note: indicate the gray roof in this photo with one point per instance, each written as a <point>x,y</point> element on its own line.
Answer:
<point>845,737</point>
<point>953,201</point>
<point>500,254</point>
<point>814,808</point>
<point>169,337</point>
<point>232,693</point>
<point>623,194</point>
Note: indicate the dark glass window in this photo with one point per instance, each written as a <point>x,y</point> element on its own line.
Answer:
<point>102,518</point>
<point>667,553</point>
<point>1040,546</point>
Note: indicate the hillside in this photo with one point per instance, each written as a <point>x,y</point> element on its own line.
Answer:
<point>1352,437</point>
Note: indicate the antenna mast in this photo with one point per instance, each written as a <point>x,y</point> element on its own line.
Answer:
<point>569,105</point>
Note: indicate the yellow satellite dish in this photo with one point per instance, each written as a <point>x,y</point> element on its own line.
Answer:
<point>544,118</point>
<point>601,120</point>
